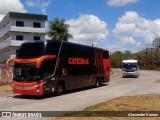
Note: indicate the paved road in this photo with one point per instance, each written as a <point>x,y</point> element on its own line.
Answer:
<point>147,83</point>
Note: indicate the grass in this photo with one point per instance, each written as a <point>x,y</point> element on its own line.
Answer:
<point>5,88</point>
<point>129,103</point>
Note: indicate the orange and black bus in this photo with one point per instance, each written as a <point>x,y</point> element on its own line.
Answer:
<point>44,67</point>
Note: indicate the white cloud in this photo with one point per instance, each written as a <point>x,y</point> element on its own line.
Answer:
<point>10,5</point>
<point>120,2</point>
<point>116,47</point>
<point>131,27</point>
<point>42,4</point>
<point>87,29</point>
<point>122,48</point>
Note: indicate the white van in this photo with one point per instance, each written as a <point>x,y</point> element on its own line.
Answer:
<point>130,68</point>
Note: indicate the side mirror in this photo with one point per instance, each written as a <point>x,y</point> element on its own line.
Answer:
<point>8,61</point>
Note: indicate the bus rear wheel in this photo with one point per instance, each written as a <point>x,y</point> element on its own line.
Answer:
<point>60,89</point>
<point>97,83</point>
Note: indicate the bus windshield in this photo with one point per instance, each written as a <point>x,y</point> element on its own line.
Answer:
<point>29,72</point>
<point>31,50</point>
<point>130,66</point>
<point>26,72</point>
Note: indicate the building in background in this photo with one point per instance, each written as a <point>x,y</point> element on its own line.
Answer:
<point>17,28</point>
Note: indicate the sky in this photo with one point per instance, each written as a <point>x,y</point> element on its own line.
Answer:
<point>118,25</point>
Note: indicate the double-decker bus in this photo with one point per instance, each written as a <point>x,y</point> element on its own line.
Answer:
<point>44,67</point>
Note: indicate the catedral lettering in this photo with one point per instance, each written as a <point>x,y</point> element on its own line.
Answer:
<point>78,61</point>
<point>45,67</point>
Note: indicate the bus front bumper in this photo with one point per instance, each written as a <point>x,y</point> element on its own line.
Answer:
<point>134,74</point>
<point>30,88</point>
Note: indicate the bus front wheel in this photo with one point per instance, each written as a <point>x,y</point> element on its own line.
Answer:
<point>60,89</point>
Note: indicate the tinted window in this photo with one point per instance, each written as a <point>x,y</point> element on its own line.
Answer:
<point>19,37</point>
<point>73,50</point>
<point>20,23</point>
<point>82,70</point>
<point>105,54</point>
<point>52,48</point>
<point>37,37</point>
<point>31,50</point>
<point>130,66</point>
<point>36,25</point>
<point>26,72</point>
<point>68,49</point>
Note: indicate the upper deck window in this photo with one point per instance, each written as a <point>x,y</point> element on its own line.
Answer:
<point>37,49</point>
<point>52,48</point>
<point>31,50</point>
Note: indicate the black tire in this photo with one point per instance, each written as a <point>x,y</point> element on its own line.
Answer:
<point>60,89</point>
<point>97,83</point>
<point>137,76</point>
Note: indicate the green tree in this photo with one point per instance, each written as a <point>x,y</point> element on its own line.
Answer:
<point>116,59</point>
<point>59,30</point>
<point>127,55</point>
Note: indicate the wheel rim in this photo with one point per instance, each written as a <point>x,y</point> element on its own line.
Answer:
<point>60,89</point>
<point>97,83</point>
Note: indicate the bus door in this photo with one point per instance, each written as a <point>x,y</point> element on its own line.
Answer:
<point>47,70</point>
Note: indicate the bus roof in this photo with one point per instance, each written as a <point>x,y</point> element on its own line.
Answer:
<point>129,61</point>
<point>49,41</point>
